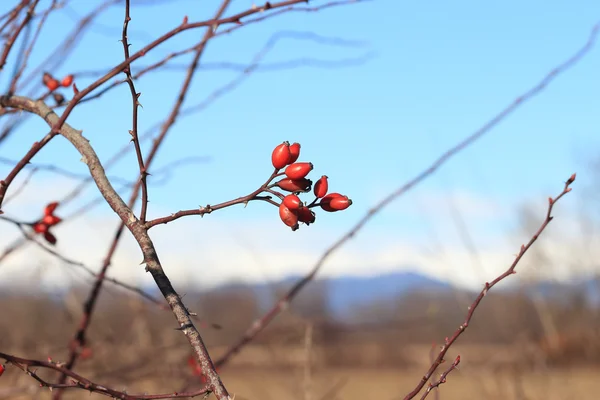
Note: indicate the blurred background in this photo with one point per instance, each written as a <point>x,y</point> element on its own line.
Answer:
<point>375,92</point>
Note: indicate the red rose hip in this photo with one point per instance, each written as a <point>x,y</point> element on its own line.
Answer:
<point>292,202</point>
<point>340,203</point>
<point>294,153</point>
<point>306,215</point>
<point>321,187</point>
<point>298,170</point>
<point>295,185</point>
<point>281,155</point>
<point>288,217</point>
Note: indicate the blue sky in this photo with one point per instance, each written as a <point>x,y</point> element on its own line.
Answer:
<point>416,78</point>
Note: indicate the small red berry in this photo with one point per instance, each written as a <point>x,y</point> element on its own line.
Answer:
<point>325,202</point>
<point>292,202</point>
<point>51,220</point>
<point>281,155</point>
<point>298,170</point>
<point>2,369</point>
<point>50,238</point>
<point>295,185</point>
<point>340,203</point>
<point>288,217</point>
<point>67,81</point>
<point>306,215</point>
<point>49,210</point>
<point>294,153</point>
<point>40,227</point>
<point>321,187</point>
<point>52,84</point>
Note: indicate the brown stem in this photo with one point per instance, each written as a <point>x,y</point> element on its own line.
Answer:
<point>488,285</point>
<point>82,383</point>
<point>139,232</point>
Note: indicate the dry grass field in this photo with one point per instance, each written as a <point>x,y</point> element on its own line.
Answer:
<point>362,383</point>
<point>500,378</point>
<point>134,347</point>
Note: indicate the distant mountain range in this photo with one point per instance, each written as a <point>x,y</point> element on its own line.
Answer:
<point>346,292</point>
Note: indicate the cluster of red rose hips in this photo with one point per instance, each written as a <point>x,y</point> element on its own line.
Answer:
<point>292,210</point>
<point>52,84</point>
<point>48,220</point>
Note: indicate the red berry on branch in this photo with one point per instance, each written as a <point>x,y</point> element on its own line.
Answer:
<point>51,220</point>
<point>49,210</point>
<point>67,81</point>
<point>289,217</point>
<point>306,215</point>
<point>321,187</point>
<point>325,202</point>
<point>2,369</point>
<point>40,227</point>
<point>298,170</point>
<point>295,185</point>
<point>52,84</point>
<point>340,203</point>
<point>294,153</point>
<point>281,155</point>
<point>292,202</point>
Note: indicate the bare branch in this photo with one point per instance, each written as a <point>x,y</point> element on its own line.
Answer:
<point>13,38</point>
<point>134,114</point>
<point>442,378</point>
<point>82,383</point>
<point>488,285</point>
<point>153,265</point>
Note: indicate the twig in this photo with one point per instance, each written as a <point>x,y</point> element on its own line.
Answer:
<point>488,285</point>
<point>134,115</point>
<point>80,336</point>
<point>201,211</point>
<point>12,39</point>
<point>442,378</point>
<point>153,265</point>
<point>79,382</point>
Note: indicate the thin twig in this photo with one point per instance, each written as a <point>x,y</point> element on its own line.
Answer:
<point>82,383</point>
<point>13,38</point>
<point>488,285</point>
<point>442,378</point>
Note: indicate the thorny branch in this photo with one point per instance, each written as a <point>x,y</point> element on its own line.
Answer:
<point>153,265</point>
<point>442,378</point>
<point>488,285</point>
<point>80,335</point>
<point>13,38</point>
<point>134,115</point>
<point>81,383</point>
